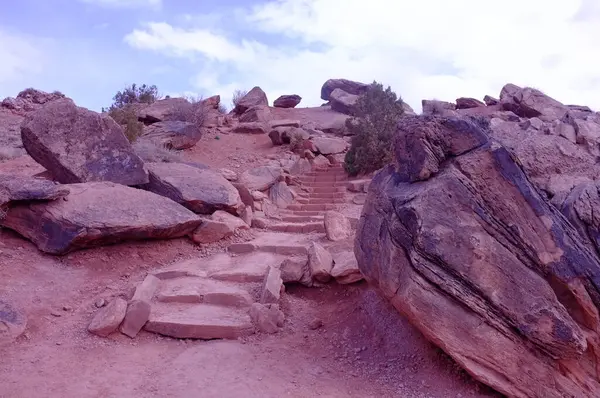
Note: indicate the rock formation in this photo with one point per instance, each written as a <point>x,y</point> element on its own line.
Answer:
<point>462,243</point>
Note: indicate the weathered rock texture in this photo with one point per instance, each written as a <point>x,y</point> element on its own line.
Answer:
<point>349,86</point>
<point>202,191</point>
<point>99,213</point>
<point>173,134</point>
<point>22,189</point>
<point>79,145</point>
<point>287,101</point>
<point>12,323</point>
<point>461,242</point>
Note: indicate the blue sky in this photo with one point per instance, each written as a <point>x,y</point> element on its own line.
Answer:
<point>89,49</point>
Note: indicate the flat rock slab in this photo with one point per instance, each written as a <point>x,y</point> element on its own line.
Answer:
<point>79,145</point>
<point>198,267</point>
<point>17,188</point>
<point>98,214</point>
<point>12,323</point>
<point>202,191</point>
<point>273,242</point>
<point>249,268</point>
<point>199,321</point>
<point>200,290</point>
<point>108,319</point>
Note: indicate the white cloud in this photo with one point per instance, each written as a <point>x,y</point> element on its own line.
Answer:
<point>426,49</point>
<point>20,57</point>
<point>125,3</point>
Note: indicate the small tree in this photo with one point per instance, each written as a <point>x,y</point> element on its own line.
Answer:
<point>123,109</point>
<point>135,94</point>
<point>376,115</point>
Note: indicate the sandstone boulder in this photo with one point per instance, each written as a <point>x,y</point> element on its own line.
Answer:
<point>99,213</point>
<point>337,226</point>
<point>254,97</point>
<point>212,102</point>
<point>329,146</point>
<point>463,245</point>
<point>281,195</point>
<point>202,191</point>
<point>168,109</point>
<point>258,113</point>
<point>345,268</point>
<point>343,102</point>
<point>529,102</point>
<point>172,134</point>
<point>490,100</point>
<point>12,323</point>
<point>251,128</point>
<point>466,103</point>
<point>260,178</point>
<point>108,319</point>
<point>78,145</point>
<point>287,101</point>
<point>407,109</point>
<point>349,86</point>
<point>320,263</point>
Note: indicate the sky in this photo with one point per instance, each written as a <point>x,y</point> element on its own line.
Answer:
<point>426,49</point>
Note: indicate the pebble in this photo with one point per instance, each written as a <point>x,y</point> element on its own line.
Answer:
<point>100,303</point>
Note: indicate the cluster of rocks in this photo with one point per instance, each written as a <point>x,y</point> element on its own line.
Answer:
<point>484,235</point>
<point>105,193</point>
<point>224,296</point>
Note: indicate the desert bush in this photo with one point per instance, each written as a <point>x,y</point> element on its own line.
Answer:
<point>150,151</point>
<point>197,113</point>
<point>237,96</point>
<point>127,117</point>
<point>373,128</point>
<point>222,109</point>
<point>135,94</point>
<point>296,141</point>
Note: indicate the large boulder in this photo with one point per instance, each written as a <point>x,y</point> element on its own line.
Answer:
<point>260,178</point>
<point>467,103</point>
<point>287,101</point>
<point>258,113</point>
<point>529,102</point>
<point>281,195</point>
<point>329,146</point>
<point>254,97</point>
<point>343,102</point>
<point>172,134</point>
<point>349,86</point>
<point>97,214</point>
<point>168,109</point>
<point>200,190</point>
<point>78,145</point>
<point>251,128</point>
<point>463,245</point>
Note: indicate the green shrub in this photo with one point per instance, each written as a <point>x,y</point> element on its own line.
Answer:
<point>373,128</point>
<point>135,94</point>
<point>127,117</point>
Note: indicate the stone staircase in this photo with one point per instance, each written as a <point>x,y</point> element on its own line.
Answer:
<point>323,189</point>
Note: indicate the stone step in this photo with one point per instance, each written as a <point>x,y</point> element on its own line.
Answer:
<point>302,213</point>
<point>318,195</point>
<point>332,184</point>
<point>316,201</point>
<point>325,178</point>
<point>302,219</point>
<point>274,242</point>
<point>329,189</point>
<point>312,207</point>
<point>199,321</point>
<point>190,290</point>
<point>294,227</point>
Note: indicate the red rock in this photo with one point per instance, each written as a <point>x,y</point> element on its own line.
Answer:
<point>108,319</point>
<point>12,323</point>
<point>251,128</point>
<point>271,287</point>
<point>287,101</point>
<point>172,134</point>
<point>254,97</point>
<point>337,226</point>
<point>466,103</point>
<point>320,262</point>
<point>79,145</point>
<point>136,316</point>
<point>349,86</point>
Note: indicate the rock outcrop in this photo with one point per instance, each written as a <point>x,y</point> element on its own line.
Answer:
<point>287,101</point>
<point>343,102</point>
<point>200,190</point>
<point>254,97</point>
<point>78,145</point>
<point>349,86</point>
<point>167,109</point>
<point>97,214</point>
<point>462,243</point>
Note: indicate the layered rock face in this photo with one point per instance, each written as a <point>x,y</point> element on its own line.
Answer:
<point>464,245</point>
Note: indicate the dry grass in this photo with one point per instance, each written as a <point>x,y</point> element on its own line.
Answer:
<point>237,96</point>
<point>149,151</point>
